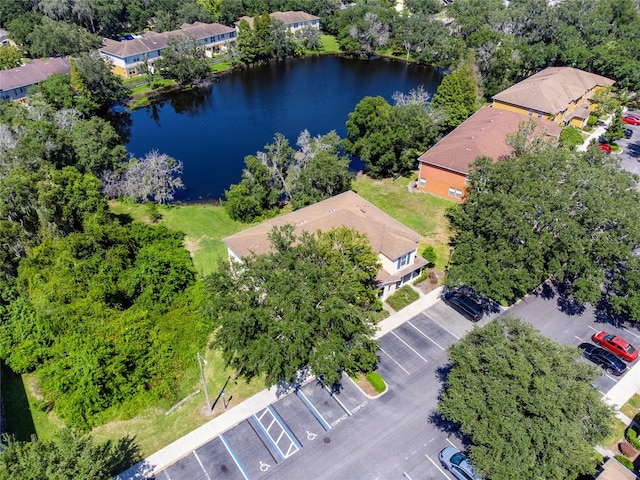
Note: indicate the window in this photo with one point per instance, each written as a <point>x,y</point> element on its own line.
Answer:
<point>530,112</point>
<point>423,181</point>
<point>452,191</point>
<point>458,193</point>
<point>403,260</point>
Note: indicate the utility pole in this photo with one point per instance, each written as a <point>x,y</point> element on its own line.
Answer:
<point>204,382</point>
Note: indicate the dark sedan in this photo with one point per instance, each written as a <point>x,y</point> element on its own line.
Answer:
<point>603,358</point>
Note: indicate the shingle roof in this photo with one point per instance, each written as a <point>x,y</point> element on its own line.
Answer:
<point>151,41</point>
<point>552,89</point>
<point>293,17</point>
<point>33,72</point>
<point>482,134</point>
<point>386,235</point>
<point>285,17</point>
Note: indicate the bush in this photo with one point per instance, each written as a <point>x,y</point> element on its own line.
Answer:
<point>429,254</point>
<point>632,436</point>
<point>592,120</point>
<point>423,276</point>
<point>403,297</point>
<point>376,381</point>
<point>570,137</point>
<point>625,461</point>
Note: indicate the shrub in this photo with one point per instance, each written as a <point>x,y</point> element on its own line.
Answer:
<point>403,297</point>
<point>592,120</point>
<point>570,137</point>
<point>625,461</point>
<point>429,254</point>
<point>376,381</point>
<point>632,436</point>
<point>423,276</point>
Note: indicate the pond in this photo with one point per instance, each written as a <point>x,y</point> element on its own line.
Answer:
<point>212,129</point>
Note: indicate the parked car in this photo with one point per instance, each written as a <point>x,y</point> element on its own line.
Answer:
<point>616,345</point>
<point>631,119</point>
<point>628,133</point>
<point>603,358</point>
<point>464,304</point>
<point>457,463</point>
<point>605,147</point>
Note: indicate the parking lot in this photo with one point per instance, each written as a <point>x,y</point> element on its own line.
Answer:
<point>630,148</point>
<point>312,433</point>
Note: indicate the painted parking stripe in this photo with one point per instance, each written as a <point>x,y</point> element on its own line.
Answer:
<point>626,330</point>
<point>313,410</point>
<point>442,326</point>
<point>437,466</point>
<point>235,459</point>
<point>426,336</point>
<point>335,397</point>
<point>409,347</point>
<point>394,361</point>
<point>195,454</point>
<point>293,446</point>
<point>166,474</point>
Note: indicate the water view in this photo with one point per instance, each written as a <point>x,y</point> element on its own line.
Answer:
<point>212,129</point>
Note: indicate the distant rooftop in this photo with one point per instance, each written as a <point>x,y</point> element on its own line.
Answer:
<point>33,72</point>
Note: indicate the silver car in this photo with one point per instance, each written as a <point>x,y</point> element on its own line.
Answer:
<point>457,463</point>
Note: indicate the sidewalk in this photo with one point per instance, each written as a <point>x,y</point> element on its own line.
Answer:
<point>201,435</point>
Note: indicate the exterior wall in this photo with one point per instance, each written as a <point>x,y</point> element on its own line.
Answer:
<point>298,25</point>
<point>391,265</point>
<point>441,182</point>
<point>17,93</point>
<point>130,66</point>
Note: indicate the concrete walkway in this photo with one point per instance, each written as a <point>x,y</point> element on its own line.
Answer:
<point>237,414</point>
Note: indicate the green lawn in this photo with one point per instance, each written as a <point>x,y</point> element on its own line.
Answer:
<point>204,227</point>
<point>329,44</point>
<point>422,212</point>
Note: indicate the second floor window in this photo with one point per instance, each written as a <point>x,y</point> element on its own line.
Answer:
<point>404,260</point>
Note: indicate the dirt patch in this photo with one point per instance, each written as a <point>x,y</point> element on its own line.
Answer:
<point>365,386</point>
<point>433,281</point>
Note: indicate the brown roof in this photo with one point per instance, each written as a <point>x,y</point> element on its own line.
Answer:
<point>33,72</point>
<point>151,41</point>
<point>285,17</point>
<point>482,134</point>
<point>293,17</point>
<point>386,235</point>
<point>614,470</point>
<point>552,90</point>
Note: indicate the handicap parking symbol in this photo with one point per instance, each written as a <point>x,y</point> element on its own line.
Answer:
<point>264,466</point>
<point>311,435</point>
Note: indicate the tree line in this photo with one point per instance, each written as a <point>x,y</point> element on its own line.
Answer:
<point>510,41</point>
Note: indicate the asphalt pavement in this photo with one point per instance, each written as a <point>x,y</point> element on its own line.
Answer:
<point>315,433</point>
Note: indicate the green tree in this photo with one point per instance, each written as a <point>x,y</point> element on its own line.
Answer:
<point>549,213</point>
<point>525,403</point>
<point>51,37</point>
<point>388,139</point>
<point>183,60</point>
<point>571,137</point>
<point>56,90</point>
<point>97,146</point>
<point>68,455</point>
<point>303,306</point>
<point>104,88</point>
<point>10,57</point>
<point>456,97</point>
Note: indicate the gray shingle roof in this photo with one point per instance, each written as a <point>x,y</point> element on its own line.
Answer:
<point>33,72</point>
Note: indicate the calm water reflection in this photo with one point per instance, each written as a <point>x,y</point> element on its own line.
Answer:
<point>212,129</point>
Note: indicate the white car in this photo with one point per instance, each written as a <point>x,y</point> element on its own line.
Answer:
<point>457,463</point>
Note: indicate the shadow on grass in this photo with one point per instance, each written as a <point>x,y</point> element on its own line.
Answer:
<point>17,412</point>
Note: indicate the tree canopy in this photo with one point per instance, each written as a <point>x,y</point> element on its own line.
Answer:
<point>302,306</point>
<point>69,455</point>
<point>547,213</point>
<point>524,402</point>
<point>389,139</point>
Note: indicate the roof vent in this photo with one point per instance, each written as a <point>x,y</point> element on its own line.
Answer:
<point>468,149</point>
